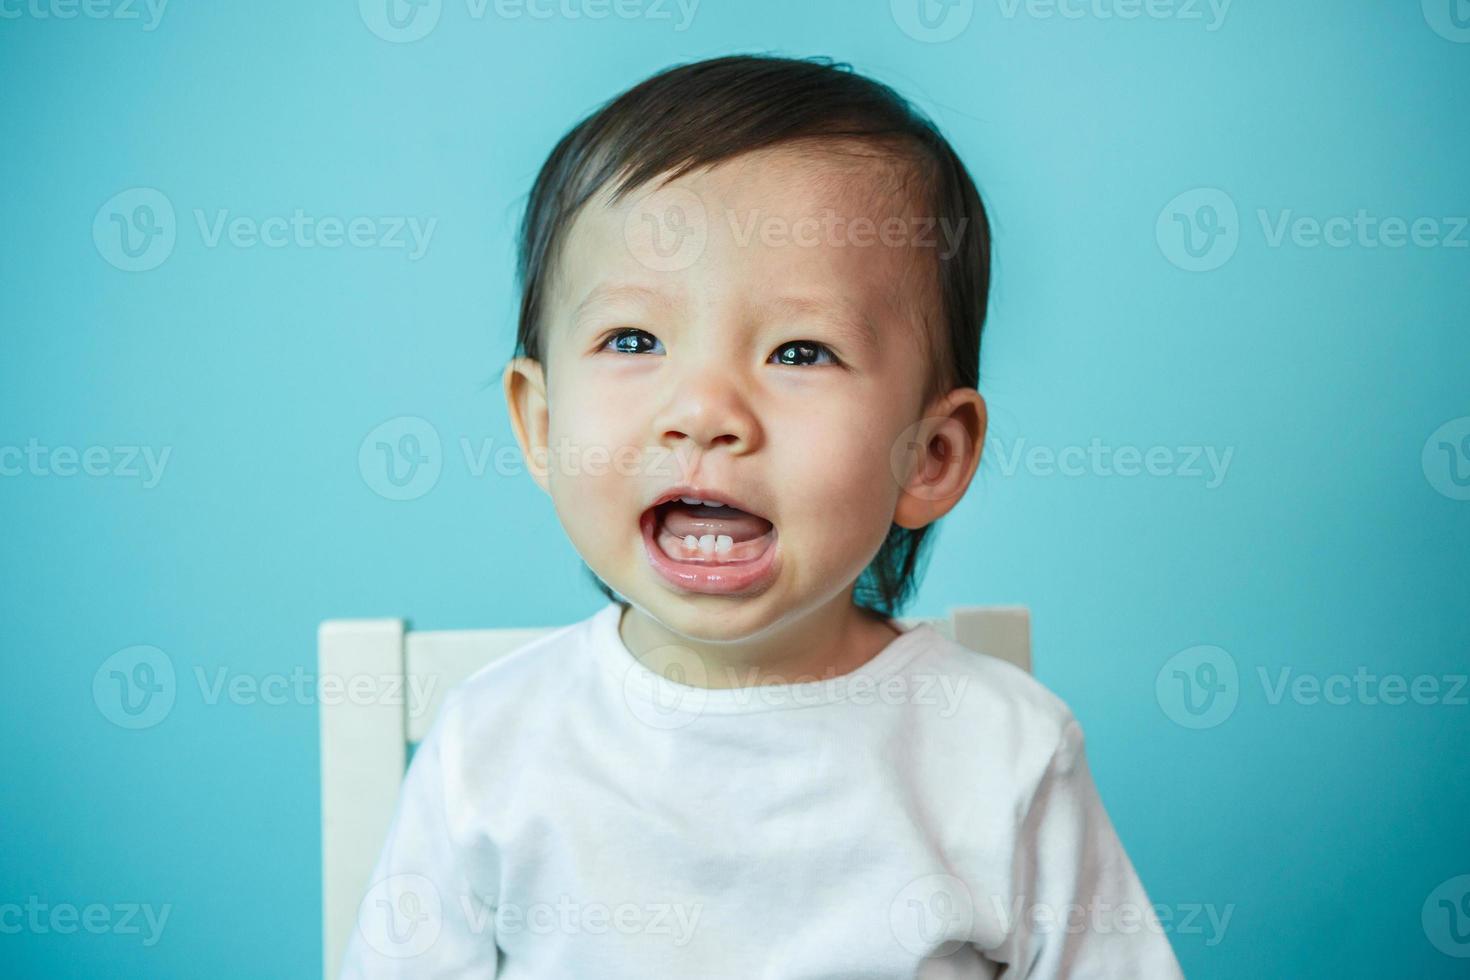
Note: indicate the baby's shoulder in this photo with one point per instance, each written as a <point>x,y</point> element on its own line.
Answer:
<point>514,688</point>
<point>986,701</point>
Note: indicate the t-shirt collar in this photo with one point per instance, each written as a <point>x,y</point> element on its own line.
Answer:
<point>643,685</point>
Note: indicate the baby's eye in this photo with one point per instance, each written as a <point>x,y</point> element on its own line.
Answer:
<point>633,334</point>
<point>796,353</point>
<point>799,353</point>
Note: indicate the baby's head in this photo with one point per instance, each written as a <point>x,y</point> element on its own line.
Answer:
<point>760,281</point>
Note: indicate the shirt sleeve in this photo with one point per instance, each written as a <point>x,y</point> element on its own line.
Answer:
<point>421,916</point>
<point>1080,910</point>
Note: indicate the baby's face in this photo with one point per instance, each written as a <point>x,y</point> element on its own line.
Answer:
<point>745,333</point>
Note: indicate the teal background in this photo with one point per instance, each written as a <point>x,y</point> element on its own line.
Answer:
<point>1323,828</point>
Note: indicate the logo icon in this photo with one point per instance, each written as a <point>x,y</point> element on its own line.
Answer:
<point>932,21</point>
<point>932,916</point>
<point>401,459</point>
<point>135,229</point>
<point>135,687</point>
<point>401,916</point>
<point>1199,230</point>
<point>1446,459</point>
<point>1198,687</point>
<point>907,454</point>
<point>667,229</point>
<point>1450,19</point>
<point>1446,917</point>
<point>669,698</point>
<point>400,21</point>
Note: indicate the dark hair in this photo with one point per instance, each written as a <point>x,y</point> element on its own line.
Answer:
<point>703,113</point>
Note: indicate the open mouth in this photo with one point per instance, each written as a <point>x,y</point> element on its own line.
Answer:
<point>708,532</point>
<point>709,546</point>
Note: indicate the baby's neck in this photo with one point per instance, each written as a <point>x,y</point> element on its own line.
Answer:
<point>827,643</point>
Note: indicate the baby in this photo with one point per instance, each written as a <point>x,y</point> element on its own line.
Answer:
<point>746,376</point>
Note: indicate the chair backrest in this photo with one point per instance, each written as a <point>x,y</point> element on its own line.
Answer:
<point>380,686</point>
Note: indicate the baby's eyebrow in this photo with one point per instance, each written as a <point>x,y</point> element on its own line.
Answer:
<point>837,313</point>
<point>609,293</point>
<point>606,291</point>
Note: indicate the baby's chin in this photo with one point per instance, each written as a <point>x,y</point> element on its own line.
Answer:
<point>712,620</point>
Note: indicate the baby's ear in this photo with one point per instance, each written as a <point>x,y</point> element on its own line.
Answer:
<point>525,398</point>
<point>935,458</point>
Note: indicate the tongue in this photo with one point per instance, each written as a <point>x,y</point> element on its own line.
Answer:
<point>685,519</point>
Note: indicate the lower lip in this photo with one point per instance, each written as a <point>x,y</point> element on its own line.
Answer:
<point>709,578</point>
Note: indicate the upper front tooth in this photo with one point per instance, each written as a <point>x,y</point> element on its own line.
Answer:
<point>697,501</point>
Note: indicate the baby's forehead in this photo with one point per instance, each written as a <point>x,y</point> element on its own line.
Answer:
<point>844,215</point>
<point>855,179</point>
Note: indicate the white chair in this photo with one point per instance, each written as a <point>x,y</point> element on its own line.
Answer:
<point>381,685</point>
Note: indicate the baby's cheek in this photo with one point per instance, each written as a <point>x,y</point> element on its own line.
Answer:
<point>860,459</point>
<point>594,522</point>
<point>586,441</point>
<point>849,475</point>
<point>577,482</point>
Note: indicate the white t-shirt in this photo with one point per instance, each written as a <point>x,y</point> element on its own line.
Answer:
<point>572,814</point>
